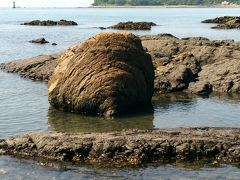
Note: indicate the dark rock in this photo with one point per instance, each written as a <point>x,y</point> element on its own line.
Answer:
<point>39,41</point>
<point>54,44</point>
<point>222,76</point>
<point>109,74</point>
<point>133,25</point>
<point>209,60</point>
<point>51,23</point>
<point>130,147</point>
<point>200,88</point>
<point>102,28</point>
<point>176,75</point>
<point>226,22</point>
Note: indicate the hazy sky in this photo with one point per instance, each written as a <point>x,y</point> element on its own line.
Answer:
<point>46,3</point>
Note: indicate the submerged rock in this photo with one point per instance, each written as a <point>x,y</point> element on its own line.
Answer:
<point>109,74</point>
<point>133,26</point>
<point>39,41</point>
<point>226,22</point>
<point>130,147</point>
<point>51,23</point>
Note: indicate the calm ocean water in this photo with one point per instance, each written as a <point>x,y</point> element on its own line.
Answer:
<point>24,106</point>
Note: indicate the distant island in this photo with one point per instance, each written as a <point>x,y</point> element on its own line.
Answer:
<point>164,2</point>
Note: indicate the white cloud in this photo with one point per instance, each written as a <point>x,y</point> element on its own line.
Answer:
<point>46,3</point>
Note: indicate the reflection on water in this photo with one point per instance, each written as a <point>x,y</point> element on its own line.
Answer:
<point>71,122</point>
<point>170,111</point>
<point>11,168</point>
<point>181,109</point>
<point>166,101</point>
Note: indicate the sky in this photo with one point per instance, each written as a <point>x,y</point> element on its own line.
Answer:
<point>46,3</point>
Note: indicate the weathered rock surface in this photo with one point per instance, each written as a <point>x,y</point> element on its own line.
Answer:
<point>226,22</point>
<point>37,68</point>
<point>109,74</point>
<point>219,145</point>
<point>39,41</point>
<point>205,65</point>
<point>51,23</point>
<point>133,26</point>
<point>197,65</point>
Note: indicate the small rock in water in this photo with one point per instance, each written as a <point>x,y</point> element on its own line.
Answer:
<point>133,25</point>
<point>54,44</point>
<point>102,28</point>
<point>39,41</point>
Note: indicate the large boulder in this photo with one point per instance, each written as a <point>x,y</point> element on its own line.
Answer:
<point>109,74</point>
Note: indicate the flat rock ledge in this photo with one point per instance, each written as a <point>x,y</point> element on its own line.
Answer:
<point>129,147</point>
<point>38,68</point>
<point>62,22</point>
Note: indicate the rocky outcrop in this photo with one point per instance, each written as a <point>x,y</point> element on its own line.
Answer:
<point>109,74</point>
<point>133,26</point>
<point>51,23</point>
<point>37,68</point>
<point>226,22</point>
<point>39,41</point>
<point>130,147</point>
<point>197,65</point>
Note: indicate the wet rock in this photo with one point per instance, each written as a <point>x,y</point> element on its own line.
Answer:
<point>109,74</point>
<point>133,26</point>
<point>219,145</point>
<point>51,23</point>
<point>37,68</point>
<point>226,22</point>
<point>54,44</point>
<point>39,41</point>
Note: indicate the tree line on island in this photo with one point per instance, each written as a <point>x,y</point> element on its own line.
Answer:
<point>161,2</point>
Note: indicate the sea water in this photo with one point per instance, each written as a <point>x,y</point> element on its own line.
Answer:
<point>24,105</point>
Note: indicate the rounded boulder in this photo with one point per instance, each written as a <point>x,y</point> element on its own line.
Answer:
<point>109,74</point>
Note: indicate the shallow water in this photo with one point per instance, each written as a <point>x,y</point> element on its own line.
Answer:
<point>24,106</point>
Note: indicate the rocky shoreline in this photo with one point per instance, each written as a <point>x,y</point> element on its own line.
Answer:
<point>196,65</point>
<point>130,147</point>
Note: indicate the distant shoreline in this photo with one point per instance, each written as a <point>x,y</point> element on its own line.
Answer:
<point>171,6</point>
